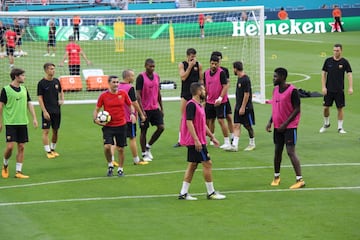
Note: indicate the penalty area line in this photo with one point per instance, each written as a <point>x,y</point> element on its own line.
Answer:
<point>172,195</point>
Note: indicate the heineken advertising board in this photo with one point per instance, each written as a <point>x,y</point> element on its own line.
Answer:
<point>230,28</point>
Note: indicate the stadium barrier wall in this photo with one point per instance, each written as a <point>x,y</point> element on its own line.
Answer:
<point>274,27</point>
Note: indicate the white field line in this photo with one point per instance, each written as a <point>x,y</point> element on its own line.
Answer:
<point>173,195</point>
<point>173,172</point>
<point>294,40</point>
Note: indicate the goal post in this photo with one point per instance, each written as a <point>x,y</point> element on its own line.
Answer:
<point>117,40</point>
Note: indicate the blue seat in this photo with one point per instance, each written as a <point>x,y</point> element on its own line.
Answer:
<point>345,5</point>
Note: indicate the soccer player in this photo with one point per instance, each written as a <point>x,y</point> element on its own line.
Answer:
<point>244,110</point>
<point>73,52</point>
<point>51,97</point>
<point>114,101</point>
<point>285,116</point>
<point>149,98</point>
<point>76,27</point>
<point>19,30</point>
<point>336,13</point>
<point>229,118</point>
<point>51,39</point>
<point>217,86</point>
<point>126,85</point>
<point>14,101</point>
<point>201,21</point>
<point>2,42</point>
<point>332,83</point>
<point>190,71</point>
<point>193,135</point>
<point>11,39</point>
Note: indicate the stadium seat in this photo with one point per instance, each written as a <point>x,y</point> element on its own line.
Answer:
<point>70,83</point>
<point>95,79</point>
<point>356,5</point>
<point>96,83</point>
<point>345,5</point>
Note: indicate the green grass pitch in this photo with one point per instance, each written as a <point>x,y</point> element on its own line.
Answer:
<point>70,197</point>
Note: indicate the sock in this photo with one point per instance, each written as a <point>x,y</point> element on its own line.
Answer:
<point>326,120</point>
<point>148,146</point>
<point>184,188</point>
<point>210,187</point>
<point>226,140</point>
<point>136,159</point>
<point>298,178</point>
<point>18,167</point>
<point>276,175</point>
<point>120,169</point>
<point>110,164</point>
<point>52,146</point>
<point>340,124</point>
<point>235,141</point>
<point>231,136</point>
<point>47,148</point>
<point>252,141</point>
<point>179,137</point>
<point>6,162</point>
<point>143,153</point>
<point>112,157</point>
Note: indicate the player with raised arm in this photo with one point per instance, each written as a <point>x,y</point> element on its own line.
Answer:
<point>190,71</point>
<point>150,101</point>
<point>51,97</point>
<point>285,116</point>
<point>193,135</point>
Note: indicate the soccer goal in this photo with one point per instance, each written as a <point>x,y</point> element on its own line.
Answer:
<point>117,40</point>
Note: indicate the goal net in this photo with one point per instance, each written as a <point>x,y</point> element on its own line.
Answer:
<point>117,40</point>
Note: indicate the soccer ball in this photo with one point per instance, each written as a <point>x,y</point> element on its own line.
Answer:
<point>103,117</point>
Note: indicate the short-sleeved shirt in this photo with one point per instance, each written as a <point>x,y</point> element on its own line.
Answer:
<point>243,86</point>
<point>335,73</point>
<point>52,33</point>
<point>193,77</point>
<point>115,105</point>
<point>73,50</point>
<point>50,90</point>
<point>10,37</point>
<point>18,30</point>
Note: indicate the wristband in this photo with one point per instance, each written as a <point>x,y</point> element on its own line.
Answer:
<point>219,98</point>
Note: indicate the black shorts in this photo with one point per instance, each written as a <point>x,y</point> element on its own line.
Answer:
<point>153,117</point>
<point>54,122</point>
<point>130,130</point>
<point>186,97</point>
<point>19,42</point>
<point>228,107</point>
<point>2,42</point>
<point>198,157</point>
<point>248,119</point>
<point>288,137</point>
<point>51,43</point>
<point>17,133</point>
<point>213,112</point>
<point>10,51</point>
<point>115,133</point>
<point>201,26</point>
<point>338,97</point>
<point>74,69</point>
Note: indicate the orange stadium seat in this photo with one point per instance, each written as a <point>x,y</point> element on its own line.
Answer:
<point>70,83</point>
<point>94,83</point>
